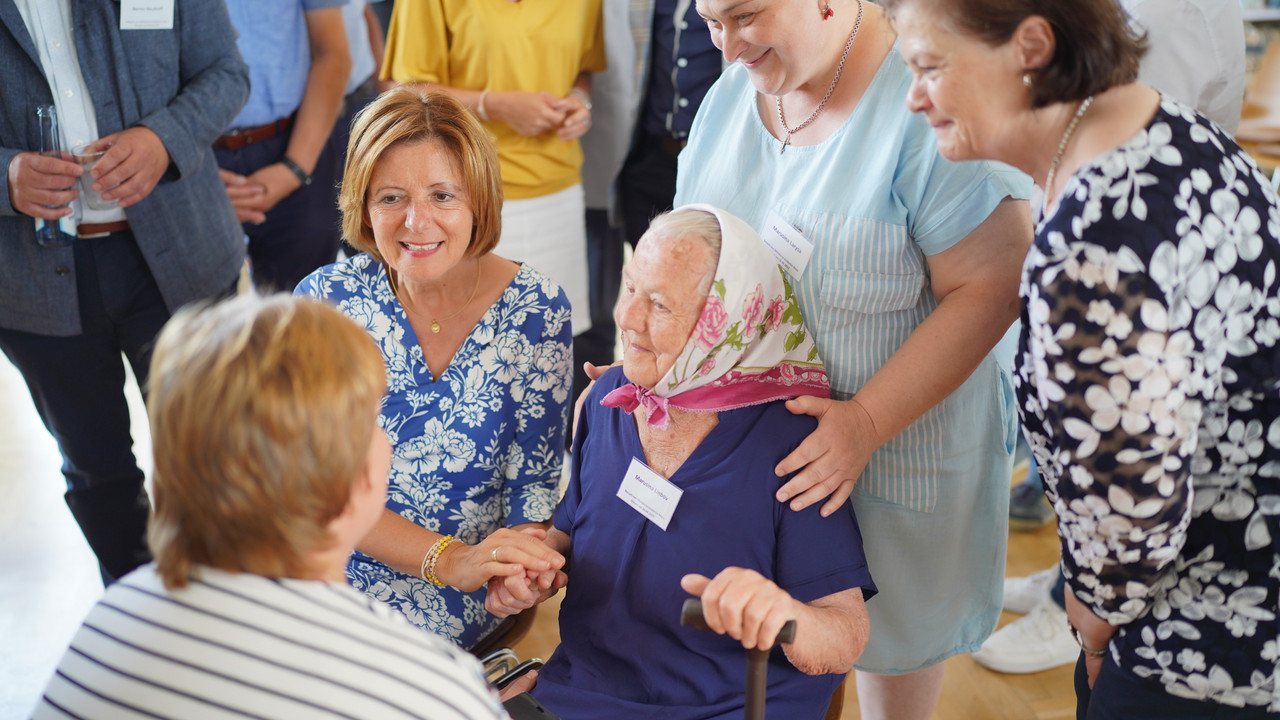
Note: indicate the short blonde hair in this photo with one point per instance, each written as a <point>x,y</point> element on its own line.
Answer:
<point>262,412</point>
<point>406,117</point>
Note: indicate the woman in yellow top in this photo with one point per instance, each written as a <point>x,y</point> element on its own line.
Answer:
<point>524,69</point>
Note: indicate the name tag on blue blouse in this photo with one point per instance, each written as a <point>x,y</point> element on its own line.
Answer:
<point>146,14</point>
<point>652,495</point>
<point>788,244</point>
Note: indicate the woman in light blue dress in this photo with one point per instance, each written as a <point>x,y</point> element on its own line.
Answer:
<point>911,281</point>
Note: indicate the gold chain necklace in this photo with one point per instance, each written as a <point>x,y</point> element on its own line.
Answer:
<point>435,323</point>
<point>1062,146</point>
<point>782,120</point>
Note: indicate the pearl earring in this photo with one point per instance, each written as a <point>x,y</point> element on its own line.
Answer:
<point>1026,79</point>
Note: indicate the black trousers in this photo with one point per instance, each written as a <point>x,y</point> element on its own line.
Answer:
<point>77,384</point>
<point>1119,695</point>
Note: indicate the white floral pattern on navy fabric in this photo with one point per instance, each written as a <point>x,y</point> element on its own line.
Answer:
<point>1150,392</point>
<point>480,448</point>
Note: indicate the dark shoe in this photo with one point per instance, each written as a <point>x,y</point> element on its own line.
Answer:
<point>1028,508</point>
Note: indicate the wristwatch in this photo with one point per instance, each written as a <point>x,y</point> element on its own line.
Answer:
<point>297,170</point>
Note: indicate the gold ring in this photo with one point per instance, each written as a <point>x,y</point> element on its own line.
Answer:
<point>494,554</point>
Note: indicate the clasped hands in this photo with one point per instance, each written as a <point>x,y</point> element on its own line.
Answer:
<point>737,602</point>
<point>254,195</point>
<point>43,186</point>
<point>534,113</point>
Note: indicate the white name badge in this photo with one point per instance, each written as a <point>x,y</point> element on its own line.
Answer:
<point>652,495</point>
<point>146,14</point>
<point>792,248</point>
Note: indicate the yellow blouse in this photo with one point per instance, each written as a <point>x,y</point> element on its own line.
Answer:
<point>495,45</point>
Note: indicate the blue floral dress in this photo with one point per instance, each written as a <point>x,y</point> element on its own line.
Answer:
<point>1150,393</point>
<point>476,450</point>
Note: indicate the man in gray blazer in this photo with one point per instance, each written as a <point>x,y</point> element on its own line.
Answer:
<point>159,88</point>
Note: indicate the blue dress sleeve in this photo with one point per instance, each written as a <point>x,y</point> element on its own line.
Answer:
<point>535,463</point>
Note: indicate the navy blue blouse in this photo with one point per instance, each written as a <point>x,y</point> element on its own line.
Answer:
<point>623,653</point>
<point>1149,388</point>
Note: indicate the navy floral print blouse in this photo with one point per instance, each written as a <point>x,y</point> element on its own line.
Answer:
<point>1149,388</point>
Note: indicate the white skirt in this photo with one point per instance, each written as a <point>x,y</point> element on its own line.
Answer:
<point>549,234</point>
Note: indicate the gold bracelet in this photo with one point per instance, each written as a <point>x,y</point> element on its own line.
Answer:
<point>433,556</point>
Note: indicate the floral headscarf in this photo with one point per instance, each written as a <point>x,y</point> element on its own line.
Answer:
<point>750,346</point>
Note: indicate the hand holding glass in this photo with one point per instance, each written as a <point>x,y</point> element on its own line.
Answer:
<point>87,157</point>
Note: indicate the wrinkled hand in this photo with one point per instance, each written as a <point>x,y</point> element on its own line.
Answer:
<point>42,186</point>
<point>516,593</point>
<point>522,684</point>
<point>528,113</point>
<point>743,604</point>
<point>577,119</point>
<point>506,552</point>
<point>833,456</point>
<point>134,162</point>
<point>246,197</point>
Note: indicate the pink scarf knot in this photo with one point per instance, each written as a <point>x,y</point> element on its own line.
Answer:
<point>631,396</point>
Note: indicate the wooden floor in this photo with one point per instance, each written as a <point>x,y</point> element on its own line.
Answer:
<point>970,691</point>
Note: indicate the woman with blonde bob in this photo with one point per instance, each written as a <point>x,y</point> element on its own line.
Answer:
<point>477,355</point>
<point>269,468</point>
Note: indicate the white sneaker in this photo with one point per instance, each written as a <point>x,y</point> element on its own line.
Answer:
<point>1023,593</point>
<point>1039,641</point>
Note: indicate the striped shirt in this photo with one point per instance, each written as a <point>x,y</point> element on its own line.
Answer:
<point>241,645</point>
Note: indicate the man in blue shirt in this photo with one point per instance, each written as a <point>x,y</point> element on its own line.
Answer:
<point>661,64</point>
<point>275,155</point>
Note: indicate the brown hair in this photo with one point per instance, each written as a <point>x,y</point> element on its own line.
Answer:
<point>262,411</point>
<point>1095,47</point>
<point>404,116</point>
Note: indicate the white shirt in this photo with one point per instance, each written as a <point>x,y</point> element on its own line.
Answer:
<point>1196,54</point>
<point>49,23</point>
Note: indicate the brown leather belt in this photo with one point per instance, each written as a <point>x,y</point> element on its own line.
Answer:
<point>85,230</point>
<point>237,139</point>
<point>670,145</point>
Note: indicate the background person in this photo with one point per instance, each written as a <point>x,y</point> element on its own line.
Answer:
<point>1150,353</point>
<point>525,69</point>
<point>911,281</point>
<point>68,314</point>
<point>269,468</point>
<point>477,355</point>
<point>706,318</point>
<point>275,157</point>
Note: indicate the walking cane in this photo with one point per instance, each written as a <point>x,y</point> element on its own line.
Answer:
<point>757,659</point>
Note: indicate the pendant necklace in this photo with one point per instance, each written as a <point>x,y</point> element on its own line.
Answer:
<point>1062,146</point>
<point>435,322</point>
<point>782,120</point>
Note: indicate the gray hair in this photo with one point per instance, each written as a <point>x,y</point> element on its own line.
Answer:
<point>685,222</point>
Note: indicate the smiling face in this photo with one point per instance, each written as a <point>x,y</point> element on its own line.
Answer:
<point>419,211</point>
<point>773,39</point>
<point>970,92</point>
<point>663,290</point>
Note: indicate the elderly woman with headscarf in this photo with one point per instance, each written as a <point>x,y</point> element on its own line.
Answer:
<point>673,494</point>
<point>1149,358</point>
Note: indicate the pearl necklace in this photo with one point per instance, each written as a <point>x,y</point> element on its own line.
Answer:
<point>1062,146</point>
<point>782,120</point>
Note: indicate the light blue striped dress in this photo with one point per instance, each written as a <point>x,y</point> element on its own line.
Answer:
<point>875,199</point>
